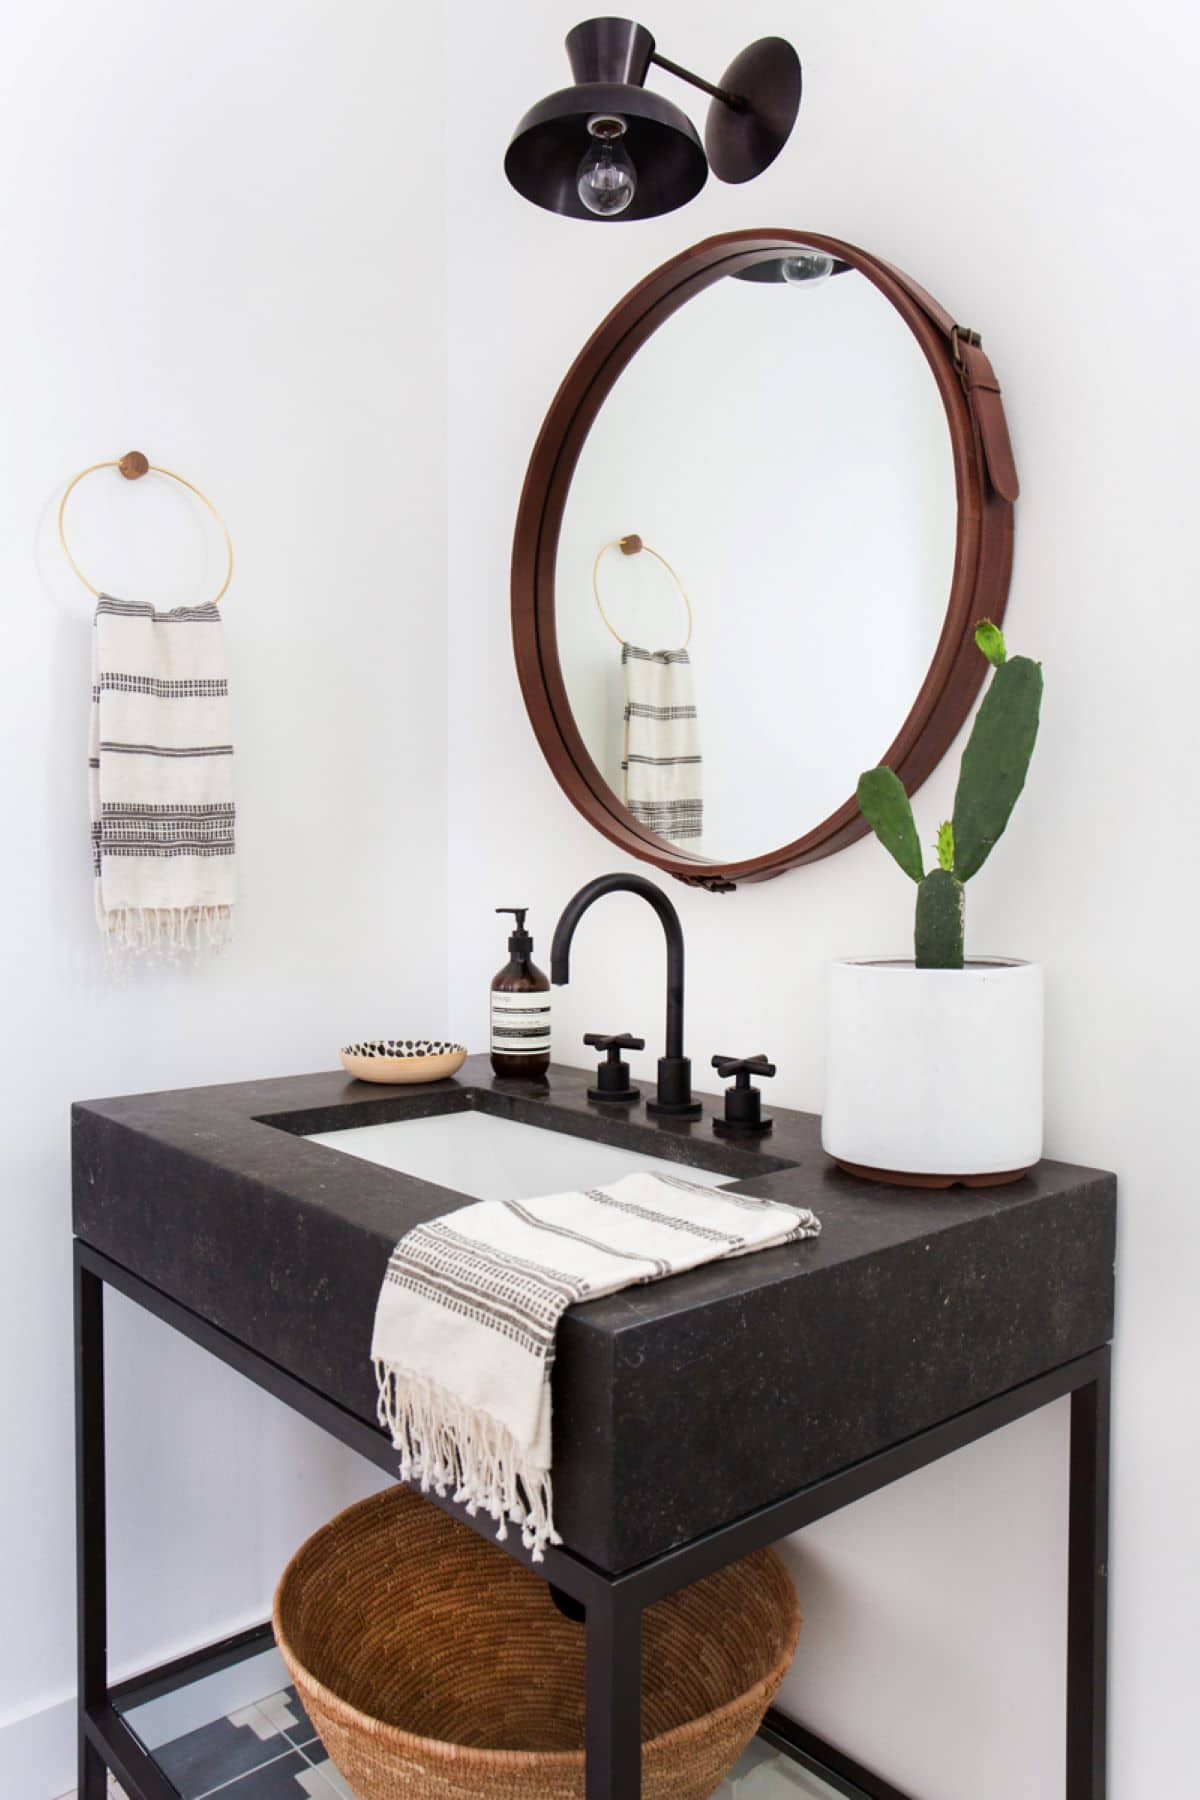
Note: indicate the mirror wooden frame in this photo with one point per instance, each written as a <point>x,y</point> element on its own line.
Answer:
<point>986,485</point>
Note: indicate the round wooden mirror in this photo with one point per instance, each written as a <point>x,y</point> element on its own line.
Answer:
<point>779,477</point>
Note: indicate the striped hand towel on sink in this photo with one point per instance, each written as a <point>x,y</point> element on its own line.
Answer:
<point>160,770</point>
<point>464,1334</point>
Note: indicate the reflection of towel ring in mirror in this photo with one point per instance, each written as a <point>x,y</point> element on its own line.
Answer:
<point>629,546</point>
<point>133,465</point>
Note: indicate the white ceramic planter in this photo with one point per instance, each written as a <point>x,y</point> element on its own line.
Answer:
<point>934,1075</point>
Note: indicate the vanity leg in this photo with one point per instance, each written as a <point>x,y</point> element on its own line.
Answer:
<point>614,1698</point>
<point>93,1776</point>
<point>1087,1592</point>
<point>90,1526</point>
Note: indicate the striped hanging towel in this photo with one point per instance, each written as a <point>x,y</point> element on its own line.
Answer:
<point>660,759</point>
<point>465,1326</point>
<point>160,764</point>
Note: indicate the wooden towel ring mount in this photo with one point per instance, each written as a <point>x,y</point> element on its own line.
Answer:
<point>133,465</point>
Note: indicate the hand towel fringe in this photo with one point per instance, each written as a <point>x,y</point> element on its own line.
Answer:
<point>455,1449</point>
<point>165,931</point>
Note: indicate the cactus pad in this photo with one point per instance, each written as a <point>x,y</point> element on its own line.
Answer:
<point>995,762</point>
<point>888,812</point>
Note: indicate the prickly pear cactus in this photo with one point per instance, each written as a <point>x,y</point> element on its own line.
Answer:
<point>994,766</point>
<point>941,913</point>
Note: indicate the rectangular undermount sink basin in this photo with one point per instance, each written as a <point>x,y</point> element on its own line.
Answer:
<point>499,1159</point>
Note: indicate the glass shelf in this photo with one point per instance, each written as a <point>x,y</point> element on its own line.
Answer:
<point>243,1734</point>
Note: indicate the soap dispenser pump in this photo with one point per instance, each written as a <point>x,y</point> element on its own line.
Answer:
<point>520,1007</point>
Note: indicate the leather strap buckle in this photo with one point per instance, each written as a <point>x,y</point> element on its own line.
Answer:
<point>959,335</point>
<point>983,392</point>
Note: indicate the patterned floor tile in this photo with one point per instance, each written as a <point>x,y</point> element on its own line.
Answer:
<point>214,1696</point>
<point>215,1755</point>
<point>289,1777</point>
<point>334,1781</point>
<point>323,1781</point>
<point>285,1713</point>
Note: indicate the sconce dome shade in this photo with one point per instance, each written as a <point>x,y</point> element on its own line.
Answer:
<point>542,161</point>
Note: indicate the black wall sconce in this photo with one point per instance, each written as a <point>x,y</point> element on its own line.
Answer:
<point>607,148</point>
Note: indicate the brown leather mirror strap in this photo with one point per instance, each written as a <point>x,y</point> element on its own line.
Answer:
<point>980,386</point>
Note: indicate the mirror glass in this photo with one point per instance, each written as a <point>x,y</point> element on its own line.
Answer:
<point>781,444</point>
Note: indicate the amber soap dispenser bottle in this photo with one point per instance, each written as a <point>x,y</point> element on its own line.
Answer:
<point>520,1007</point>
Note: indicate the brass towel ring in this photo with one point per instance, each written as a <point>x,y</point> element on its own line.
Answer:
<point>629,546</point>
<point>133,465</point>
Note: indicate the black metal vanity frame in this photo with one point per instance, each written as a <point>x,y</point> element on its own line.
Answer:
<point>613,1602</point>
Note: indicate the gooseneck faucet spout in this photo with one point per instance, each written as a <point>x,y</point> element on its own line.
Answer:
<point>674,1069</point>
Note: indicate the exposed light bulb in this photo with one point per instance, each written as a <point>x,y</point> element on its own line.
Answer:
<point>806,266</point>
<point>606,180</point>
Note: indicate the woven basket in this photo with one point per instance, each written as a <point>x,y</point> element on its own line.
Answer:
<point>436,1668</point>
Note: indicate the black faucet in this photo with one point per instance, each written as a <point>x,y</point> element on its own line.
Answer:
<point>674,1069</point>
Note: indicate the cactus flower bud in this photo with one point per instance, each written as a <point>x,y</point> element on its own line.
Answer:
<point>990,640</point>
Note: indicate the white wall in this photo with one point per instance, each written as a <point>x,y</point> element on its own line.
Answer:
<point>1035,170</point>
<point>207,255</point>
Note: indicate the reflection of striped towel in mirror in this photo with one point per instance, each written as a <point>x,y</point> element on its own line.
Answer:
<point>660,759</point>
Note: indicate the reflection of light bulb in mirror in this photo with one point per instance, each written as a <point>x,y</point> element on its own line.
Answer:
<point>606,180</point>
<point>806,266</point>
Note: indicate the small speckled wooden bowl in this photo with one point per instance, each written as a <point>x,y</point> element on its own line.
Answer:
<point>395,1060</point>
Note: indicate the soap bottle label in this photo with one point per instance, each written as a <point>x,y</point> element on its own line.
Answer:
<point>520,1024</point>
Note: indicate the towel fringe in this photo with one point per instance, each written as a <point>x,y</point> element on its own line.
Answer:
<point>164,932</point>
<point>450,1448</point>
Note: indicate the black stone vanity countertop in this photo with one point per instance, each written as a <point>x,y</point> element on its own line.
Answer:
<point>678,1406</point>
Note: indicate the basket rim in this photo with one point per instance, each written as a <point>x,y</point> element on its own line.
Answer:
<point>396,1737</point>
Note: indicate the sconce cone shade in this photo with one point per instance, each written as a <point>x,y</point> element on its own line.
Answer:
<point>609,59</point>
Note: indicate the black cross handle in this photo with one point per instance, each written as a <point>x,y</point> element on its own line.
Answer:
<point>743,1103</point>
<point>613,1086</point>
<point>743,1067</point>
<point>614,1045</point>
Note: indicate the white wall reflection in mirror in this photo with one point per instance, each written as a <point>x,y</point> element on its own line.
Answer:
<point>785,448</point>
